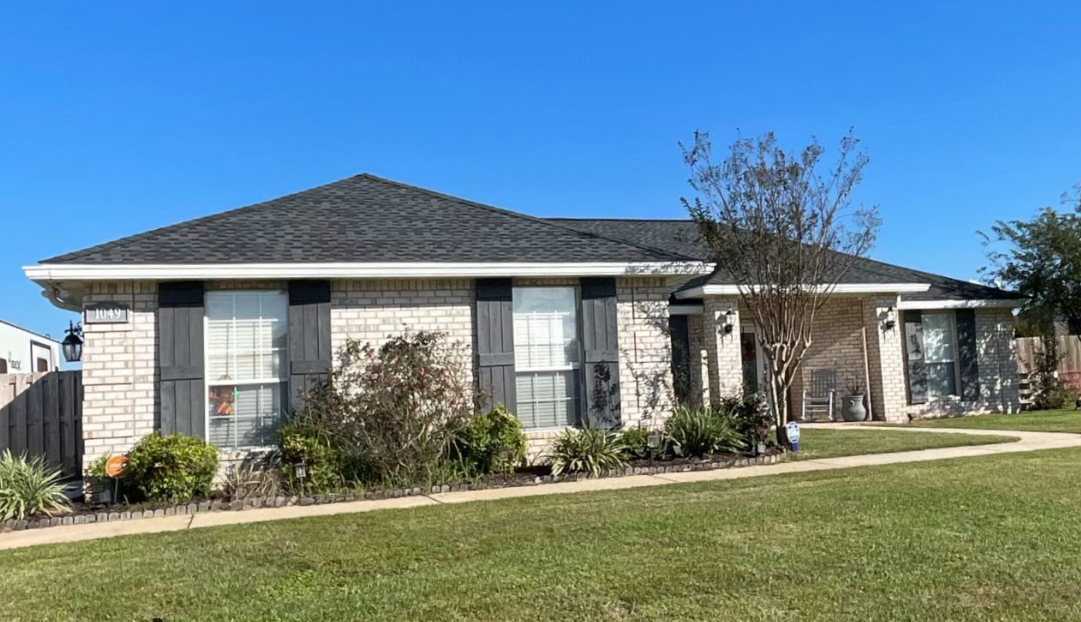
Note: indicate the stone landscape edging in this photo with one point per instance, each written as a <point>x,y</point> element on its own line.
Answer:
<point>239,505</point>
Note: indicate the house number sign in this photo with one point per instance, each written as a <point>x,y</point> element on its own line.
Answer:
<point>106,313</point>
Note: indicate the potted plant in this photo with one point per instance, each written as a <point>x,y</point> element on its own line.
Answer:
<point>852,408</point>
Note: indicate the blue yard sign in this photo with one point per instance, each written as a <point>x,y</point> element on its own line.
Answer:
<point>792,431</point>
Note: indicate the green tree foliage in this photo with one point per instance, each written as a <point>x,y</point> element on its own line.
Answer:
<point>1040,258</point>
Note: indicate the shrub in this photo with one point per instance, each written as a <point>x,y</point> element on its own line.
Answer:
<point>174,467</point>
<point>635,442</point>
<point>391,412</point>
<point>29,487</point>
<point>490,442</point>
<point>305,445</point>
<point>1049,392</point>
<point>592,452</point>
<point>752,419</point>
<point>700,430</point>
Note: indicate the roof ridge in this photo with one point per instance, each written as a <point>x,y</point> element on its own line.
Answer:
<point>117,243</point>
<point>515,214</point>
<point>582,219</point>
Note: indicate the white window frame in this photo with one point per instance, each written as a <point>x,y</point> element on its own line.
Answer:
<point>208,383</point>
<point>573,367</point>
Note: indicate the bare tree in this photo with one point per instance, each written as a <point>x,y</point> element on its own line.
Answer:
<point>782,228</point>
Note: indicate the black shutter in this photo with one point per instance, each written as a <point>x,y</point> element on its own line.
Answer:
<point>917,368</point>
<point>967,356</point>
<point>600,347</point>
<point>180,358</point>
<point>495,342</point>
<point>310,354</point>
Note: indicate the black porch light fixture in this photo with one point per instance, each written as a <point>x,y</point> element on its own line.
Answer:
<point>73,343</point>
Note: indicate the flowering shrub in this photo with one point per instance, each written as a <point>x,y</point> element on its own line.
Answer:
<point>391,412</point>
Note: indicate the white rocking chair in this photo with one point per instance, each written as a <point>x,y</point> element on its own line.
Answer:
<point>820,397</point>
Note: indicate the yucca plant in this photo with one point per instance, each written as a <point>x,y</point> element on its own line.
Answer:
<point>701,430</point>
<point>592,452</point>
<point>29,487</point>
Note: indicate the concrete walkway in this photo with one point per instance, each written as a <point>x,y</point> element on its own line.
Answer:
<point>1027,441</point>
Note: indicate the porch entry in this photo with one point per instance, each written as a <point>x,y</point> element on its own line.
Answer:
<point>755,364</point>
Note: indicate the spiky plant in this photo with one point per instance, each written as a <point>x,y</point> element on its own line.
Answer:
<point>701,430</point>
<point>29,487</point>
<point>592,452</point>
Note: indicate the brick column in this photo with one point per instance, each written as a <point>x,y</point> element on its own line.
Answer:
<point>885,351</point>
<point>997,361</point>
<point>723,355</point>
<point>119,371</point>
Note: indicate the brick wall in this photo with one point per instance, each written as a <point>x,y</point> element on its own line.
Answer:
<point>645,351</point>
<point>372,311</point>
<point>120,398</point>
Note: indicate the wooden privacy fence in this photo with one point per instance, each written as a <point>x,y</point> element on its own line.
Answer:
<point>1069,365</point>
<point>41,415</point>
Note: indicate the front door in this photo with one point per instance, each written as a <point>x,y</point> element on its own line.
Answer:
<point>754,361</point>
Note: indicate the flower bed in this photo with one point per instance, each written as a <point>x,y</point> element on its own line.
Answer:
<point>525,477</point>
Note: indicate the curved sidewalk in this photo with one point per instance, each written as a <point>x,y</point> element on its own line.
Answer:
<point>1027,441</point>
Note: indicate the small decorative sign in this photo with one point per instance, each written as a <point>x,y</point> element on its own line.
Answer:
<point>116,466</point>
<point>106,313</point>
<point>792,431</point>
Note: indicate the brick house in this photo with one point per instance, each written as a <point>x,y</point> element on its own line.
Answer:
<point>211,326</point>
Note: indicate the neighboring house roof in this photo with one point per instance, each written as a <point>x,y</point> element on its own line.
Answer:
<point>682,236</point>
<point>365,219</point>
<point>30,332</point>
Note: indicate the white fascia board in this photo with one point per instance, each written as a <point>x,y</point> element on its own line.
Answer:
<point>132,272</point>
<point>960,304</point>
<point>849,288</point>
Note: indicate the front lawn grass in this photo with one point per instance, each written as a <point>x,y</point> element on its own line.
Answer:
<point>826,443</point>
<point>989,538</point>
<point>1065,420</point>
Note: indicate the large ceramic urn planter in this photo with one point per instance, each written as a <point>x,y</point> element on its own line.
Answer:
<point>852,408</point>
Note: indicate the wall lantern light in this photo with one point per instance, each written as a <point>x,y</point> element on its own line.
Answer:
<point>73,343</point>
<point>889,319</point>
<point>729,321</point>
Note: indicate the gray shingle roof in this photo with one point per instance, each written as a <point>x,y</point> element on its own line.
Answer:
<point>682,236</point>
<point>366,219</point>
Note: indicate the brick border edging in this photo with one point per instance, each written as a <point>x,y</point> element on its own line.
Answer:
<point>200,507</point>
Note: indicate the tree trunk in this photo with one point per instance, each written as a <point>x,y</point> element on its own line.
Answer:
<point>779,404</point>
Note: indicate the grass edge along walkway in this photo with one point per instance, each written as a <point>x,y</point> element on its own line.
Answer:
<point>1027,441</point>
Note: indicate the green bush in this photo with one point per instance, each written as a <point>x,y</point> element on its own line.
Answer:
<point>700,430</point>
<point>490,442</point>
<point>174,467</point>
<point>305,445</point>
<point>752,418</point>
<point>29,487</point>
<point>593,452</point>
<point>635,443</point>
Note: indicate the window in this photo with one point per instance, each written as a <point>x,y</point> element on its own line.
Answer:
<point>246,367</point>
<point>939,354</point>
<point>42,365</point>
<point>931,345</point>
<point>3,366</point>
<point>546,359</point>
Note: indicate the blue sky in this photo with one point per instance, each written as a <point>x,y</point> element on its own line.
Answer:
<point>117,117</point>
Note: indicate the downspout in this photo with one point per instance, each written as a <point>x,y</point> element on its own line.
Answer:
<point>867,365</point>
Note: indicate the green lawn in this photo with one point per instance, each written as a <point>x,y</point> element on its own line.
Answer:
<point>990,538</point>
<point>1038,421</point>
<point>825,443</point>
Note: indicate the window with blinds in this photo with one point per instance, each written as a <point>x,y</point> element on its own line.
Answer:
<point>546,359</point>
<point>246,367</point>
